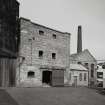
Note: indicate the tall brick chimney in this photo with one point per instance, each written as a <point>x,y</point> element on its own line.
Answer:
<point>79,40</point>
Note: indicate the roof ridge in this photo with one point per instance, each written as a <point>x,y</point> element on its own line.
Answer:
<point>45,26</point>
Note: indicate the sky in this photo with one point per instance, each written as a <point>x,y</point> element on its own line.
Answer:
<point>66,15</point>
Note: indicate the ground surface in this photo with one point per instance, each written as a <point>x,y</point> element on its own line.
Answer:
<point>6,99</point>
<point>57,96</point>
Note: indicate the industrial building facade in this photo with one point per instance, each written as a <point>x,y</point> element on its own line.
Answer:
<point>43,56</point>
<point>33,55</point>
<point>86,59</point>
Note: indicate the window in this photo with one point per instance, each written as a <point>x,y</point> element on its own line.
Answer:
<point>70,76</point>
<point>92,70</point>
<point>99,83</point>
<point>53,55</point>
<point>79,62</point>
<point>31,74</point>
<point>103,66</point>
<point>54,36</point>
<point>85,77</point>
<point>33,38</point>
<point>99,74</point>
<point>41,32</point>
<point>97,67</point>
<point>41,54</point>
<point>29,40</point>
<point>80,76</point>
<point>23,58</point>
<point>86,65</point>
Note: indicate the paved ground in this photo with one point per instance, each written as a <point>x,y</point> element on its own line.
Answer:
<point>57,96</point>
<point>6,99</point>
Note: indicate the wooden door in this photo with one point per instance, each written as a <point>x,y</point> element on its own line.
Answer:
<point>58,78</point>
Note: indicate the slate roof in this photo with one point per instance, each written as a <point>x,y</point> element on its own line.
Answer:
<point>25,19</point>
<point>78,67</point>
<point>83,53</point>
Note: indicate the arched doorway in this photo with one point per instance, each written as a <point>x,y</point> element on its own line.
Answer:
<point>47,77</point>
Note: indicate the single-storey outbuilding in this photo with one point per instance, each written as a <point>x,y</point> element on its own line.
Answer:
<point>78,75</point>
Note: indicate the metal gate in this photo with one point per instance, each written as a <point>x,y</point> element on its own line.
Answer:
<point>58,78</point>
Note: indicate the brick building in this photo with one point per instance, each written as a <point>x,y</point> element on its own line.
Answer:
<point>43,57</point>
<point>9,41</point>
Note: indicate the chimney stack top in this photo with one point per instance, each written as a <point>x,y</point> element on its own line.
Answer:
<point>79,39</point>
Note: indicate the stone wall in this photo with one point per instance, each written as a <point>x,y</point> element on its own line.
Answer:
<point>82,82</point>
<point>30,45</point>
<point>85,57</point>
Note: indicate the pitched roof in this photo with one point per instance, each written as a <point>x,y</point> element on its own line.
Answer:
<point>78,67</point>
<point>25,19</point>
<point>82,56</point>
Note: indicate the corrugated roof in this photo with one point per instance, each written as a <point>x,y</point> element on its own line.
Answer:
<point>77,67</point>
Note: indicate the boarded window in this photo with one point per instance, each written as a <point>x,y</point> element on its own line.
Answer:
<point>41,32</point>
<point>80,76</point>
<point>53,55</point>
<point>31,74</point>
<point>85,76</point>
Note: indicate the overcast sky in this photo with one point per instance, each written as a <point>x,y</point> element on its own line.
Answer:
<point>66,15</point>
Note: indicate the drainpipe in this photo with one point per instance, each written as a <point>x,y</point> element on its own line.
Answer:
<point>20,63</point>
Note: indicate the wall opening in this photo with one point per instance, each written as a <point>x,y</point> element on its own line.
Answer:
<point>80,76</point>
<point>40,54</point>
<point>79,62</point>
<point>31,74</point>
<point>47,77</point>
<point>54,36</point>
<point>92,70</point>
<point>41,32</point>
<point>53,55</point>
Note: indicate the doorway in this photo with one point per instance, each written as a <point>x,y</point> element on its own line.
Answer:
<point>75,81</point>
<point>47,77</point>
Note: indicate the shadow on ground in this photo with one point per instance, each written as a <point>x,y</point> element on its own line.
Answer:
<point>6,99</point>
